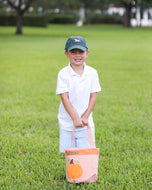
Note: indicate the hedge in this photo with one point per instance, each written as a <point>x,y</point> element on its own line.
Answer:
<point>104,19</point>
<point>29,20</point>
<point>6,20</point>
<point>38,20</point>
<point>67,18</point>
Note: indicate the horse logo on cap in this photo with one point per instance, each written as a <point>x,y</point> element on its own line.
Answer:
<point>76,40</point>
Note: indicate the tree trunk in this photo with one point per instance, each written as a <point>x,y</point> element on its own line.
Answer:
<point>19,23</point>
<point>85,19</point>
<point>127,21</point>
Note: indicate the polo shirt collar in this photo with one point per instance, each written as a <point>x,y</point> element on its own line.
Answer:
<point>72,72</point>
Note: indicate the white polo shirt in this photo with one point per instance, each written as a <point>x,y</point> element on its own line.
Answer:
<point>79,89</point>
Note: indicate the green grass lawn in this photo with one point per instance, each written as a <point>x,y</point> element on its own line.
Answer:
<point>29,133</point>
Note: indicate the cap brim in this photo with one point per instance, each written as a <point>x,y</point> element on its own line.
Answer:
<point>77,47</point>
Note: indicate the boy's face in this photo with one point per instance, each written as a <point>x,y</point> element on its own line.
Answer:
<point>77,56</point>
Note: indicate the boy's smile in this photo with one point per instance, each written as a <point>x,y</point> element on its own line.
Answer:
<point>77,56</point>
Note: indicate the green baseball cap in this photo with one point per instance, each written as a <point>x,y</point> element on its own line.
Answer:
<point>76,42</point>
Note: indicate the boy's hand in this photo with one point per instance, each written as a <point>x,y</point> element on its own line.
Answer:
<point>84,120</point>
<point>69,108</point>
<point>78,123</point>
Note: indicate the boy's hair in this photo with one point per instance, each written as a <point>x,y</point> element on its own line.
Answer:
<point>76,42</point>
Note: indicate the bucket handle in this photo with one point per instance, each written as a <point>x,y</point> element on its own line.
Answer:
<point>89,136</point>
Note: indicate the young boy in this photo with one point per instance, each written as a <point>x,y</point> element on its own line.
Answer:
<point>77,84</point>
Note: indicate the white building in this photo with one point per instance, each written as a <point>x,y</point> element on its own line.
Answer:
<point>141,20</point>
<point>137,19</point>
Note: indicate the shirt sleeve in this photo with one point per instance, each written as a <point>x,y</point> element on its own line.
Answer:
<point>95,87</point>
<point>62,84</point>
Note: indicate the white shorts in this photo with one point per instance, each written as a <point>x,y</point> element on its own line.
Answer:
<point>80,139</point>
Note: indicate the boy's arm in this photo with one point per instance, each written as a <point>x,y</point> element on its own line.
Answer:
<point>92,102</point>
<point>68,106</point>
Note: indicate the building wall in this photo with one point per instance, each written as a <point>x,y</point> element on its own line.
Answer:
<point>137,19</point>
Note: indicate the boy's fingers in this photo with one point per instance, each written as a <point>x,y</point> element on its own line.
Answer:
<point>85,122</point>
<point>82,124</point>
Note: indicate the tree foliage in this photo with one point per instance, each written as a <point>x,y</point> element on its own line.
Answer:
<point>20,7</point>
<point>129,4</point>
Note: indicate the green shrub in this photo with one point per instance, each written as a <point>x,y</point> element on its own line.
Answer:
<point>69,18</point>
<point>35,20</point>
<point>104,19</point>
<point>7,20</point>
<point>29,20</point>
